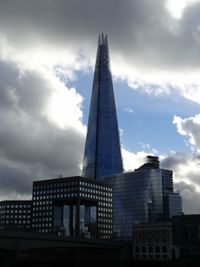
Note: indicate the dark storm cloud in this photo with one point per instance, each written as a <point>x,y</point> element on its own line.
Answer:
<point>32,147</point>
<point>142,32</point>
<point>14,178</point>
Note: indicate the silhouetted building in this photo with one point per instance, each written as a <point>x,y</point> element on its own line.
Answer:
<point>186,234</point>
<point>143,196</point>
<point>15,215</point>
<point>73,206</point>
<point>102,156</point>
<point>154,242</point>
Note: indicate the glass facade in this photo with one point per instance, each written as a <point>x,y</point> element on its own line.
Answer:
<point>102,156</point>
<point>133,201</point>
<point>73,206</point>
<point>173,204</point>
<point>143,196</point>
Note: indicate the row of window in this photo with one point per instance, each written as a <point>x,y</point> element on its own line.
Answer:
<point>17,221</point>
<point>105,231</point>
<point>151,249</point>
<point>5,212</point>
<point>16,217</point>
<point>15,206</point>
<point>151,240</point>
<point>72,183</point>
<point>43,230</point>
<point>35,203</point>
<point>42,208</point>
<point>55,185</point>
<point>42,225</point>
<point>90,195</point>
<point>69,189</point>
<point>36,219</point>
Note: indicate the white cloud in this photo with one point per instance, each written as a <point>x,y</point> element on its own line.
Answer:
<point>186,166</point>
<point>191,128</point>
<point>41,132</point>
<point>176,7</point>
<point>128,110</point>
<point>148,149</point>
<point>132,160</point>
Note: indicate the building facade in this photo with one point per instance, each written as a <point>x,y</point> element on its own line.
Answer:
<point>186,234</point>
<point>15,215</point>
<point>73,206</point>
<point>102,155</point>
<point>154,242</point>
<point>143,196</point>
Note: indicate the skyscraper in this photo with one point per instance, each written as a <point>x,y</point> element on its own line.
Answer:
<point>102,156</point>
<point>144,196</point>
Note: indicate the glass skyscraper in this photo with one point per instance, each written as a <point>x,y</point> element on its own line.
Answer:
<point>144,196</point>
<point>102,156</point>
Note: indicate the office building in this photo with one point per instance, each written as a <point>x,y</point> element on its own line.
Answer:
<point>143,196</point>
<point>15,215</point>
<point>102,155</point>
<point>73,206</point>
<point>154,242</point>
<point>186,234</point>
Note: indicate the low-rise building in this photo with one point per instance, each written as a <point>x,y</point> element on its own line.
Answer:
<point>15,215</point>
<point>73,206</point>
<point>186,234</point>
<point>154,242</point>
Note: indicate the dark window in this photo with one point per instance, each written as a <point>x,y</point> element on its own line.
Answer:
<point>137,249</point>
<point>143,249</point>
<point>150,249</point>
<point>164,249</point>
<point>157,249</point>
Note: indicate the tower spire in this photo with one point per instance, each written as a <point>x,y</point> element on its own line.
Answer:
<point>102,155</point>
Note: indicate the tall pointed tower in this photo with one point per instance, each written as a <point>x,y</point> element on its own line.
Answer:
<point>102,156</point>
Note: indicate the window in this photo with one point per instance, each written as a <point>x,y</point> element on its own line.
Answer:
<point>164,249</point>
<point>137,249</point>
<point>157,249</point>
<point>150,249</point>
<point>143,249</point>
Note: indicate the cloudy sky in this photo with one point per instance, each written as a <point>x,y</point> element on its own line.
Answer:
<point>47,56</point>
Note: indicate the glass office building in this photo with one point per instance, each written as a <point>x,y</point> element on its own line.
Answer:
<point>102,155</point>
<point>143,196</point>
<point>73,206</point>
